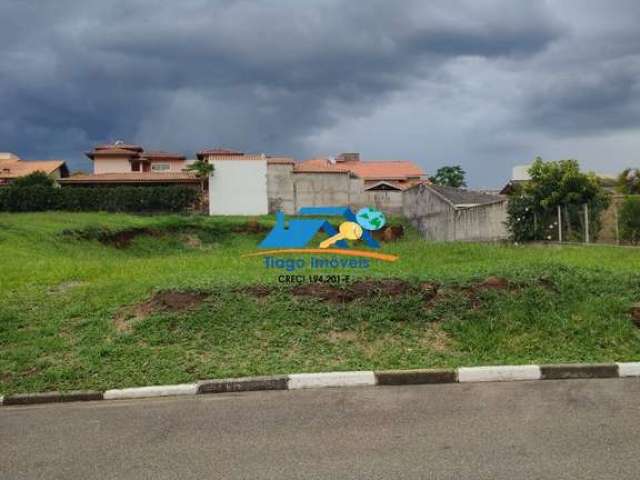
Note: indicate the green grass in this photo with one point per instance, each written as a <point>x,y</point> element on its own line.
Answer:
<point>61,297</point>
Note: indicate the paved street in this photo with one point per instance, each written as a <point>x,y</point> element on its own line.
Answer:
<point>519,430</point>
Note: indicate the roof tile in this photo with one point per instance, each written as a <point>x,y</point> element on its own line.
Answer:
<point>133,177</point>
<point>369,170</point>
<point>20,168</point>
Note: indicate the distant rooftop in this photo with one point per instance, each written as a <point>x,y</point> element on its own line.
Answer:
<point>121,149</point>
<point>369,170</point>
<point>463,198</point>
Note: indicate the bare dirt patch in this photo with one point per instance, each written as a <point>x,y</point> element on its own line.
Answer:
<point>390,233</point>
<point>436,339</point>
<point>258,291</point>
<point>343,294</point>
<point>252,226</point>
<point>364,289</point>
<point>635,314</point>
<point>117,239</point>
<point>341,336</point>
<point>494,283</point>
<point>165,301</point>
<point>191,235</point>
<point>66,286</point>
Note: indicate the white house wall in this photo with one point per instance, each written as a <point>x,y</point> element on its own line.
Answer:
<point>239,187</point>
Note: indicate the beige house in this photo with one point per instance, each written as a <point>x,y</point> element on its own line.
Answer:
<point>120,163</point>
<point>12,167</point>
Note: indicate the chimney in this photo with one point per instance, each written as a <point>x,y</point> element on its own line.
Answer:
<point>280,219</point>
<point>349,157</point>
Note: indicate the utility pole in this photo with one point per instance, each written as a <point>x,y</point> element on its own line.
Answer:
<point>586,223</point>
<point>559,224</point>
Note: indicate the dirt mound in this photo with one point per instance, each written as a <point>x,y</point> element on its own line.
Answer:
<point>635,314</point>
<point>258,291</point>
<point>390,233</point>
<point>494,283</point>
<point>165,301</point>
<point>364,289</point>
<point>118,239</point>
<point>192,235</point>
<point>252,226</point>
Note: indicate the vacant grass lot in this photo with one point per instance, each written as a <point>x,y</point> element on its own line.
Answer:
<point>83,306</point>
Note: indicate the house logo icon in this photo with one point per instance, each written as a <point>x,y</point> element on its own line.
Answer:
<point>300,232</point>
<point>296,235</point>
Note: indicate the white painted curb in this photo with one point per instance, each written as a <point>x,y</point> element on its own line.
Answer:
<point>630,369</point>
<point>499,374</point>
<point>331,379</point>
<point>155,391</point>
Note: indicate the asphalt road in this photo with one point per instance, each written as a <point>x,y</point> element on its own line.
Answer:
<point>521,430</point>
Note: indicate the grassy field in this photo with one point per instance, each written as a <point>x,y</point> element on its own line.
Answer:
<point>83,306</point>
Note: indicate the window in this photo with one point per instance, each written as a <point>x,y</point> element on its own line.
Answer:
<point>160,167</point>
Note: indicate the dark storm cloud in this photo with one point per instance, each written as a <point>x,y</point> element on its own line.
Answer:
<point>253,75</point>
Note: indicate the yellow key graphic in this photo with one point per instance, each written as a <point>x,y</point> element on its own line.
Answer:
<point>348,231</point>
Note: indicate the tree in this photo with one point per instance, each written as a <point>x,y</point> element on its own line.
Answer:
<point>552,185</point>
<point>630,220</point>
<point>203,171</point>
<point>629,181</point>
<point>450,177</point>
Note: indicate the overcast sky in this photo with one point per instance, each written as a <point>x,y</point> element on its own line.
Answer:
<point>486,84</point>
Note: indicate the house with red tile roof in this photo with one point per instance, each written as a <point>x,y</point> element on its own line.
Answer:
<point>13,167</point>
<point>290,185</point>
<point>126,164</point>
<point>257,183</point>
<point>376,174</point>
<point>354,182</point>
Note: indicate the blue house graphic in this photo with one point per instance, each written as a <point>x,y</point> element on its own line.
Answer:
<point>300,232</point>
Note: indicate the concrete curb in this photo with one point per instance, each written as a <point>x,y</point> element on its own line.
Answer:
<point>52,397</point>
<point>591,370</point>
<point>245,384</point>
<point>342,379</point>
<point>499,374</point>
<point>416,377</point>
<point>331,379</point>
<point>155,391</point>
<point>631,369</point>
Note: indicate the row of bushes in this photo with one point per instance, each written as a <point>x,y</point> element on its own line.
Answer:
<point>629,220</point>
<point>34,198</point>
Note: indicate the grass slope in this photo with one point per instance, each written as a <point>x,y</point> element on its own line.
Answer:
<point>68,315</point>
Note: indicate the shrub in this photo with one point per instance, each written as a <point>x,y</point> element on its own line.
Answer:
<point>35,198</point>
<point>34,179</point>
<point>552,185</point>
<point>629,218</point>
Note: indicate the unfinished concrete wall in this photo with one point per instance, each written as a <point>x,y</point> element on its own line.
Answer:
<point>438,220</point>
<point>428,213</point>
<point>238,187</point>
<point>280,188</point>
<point>484,223</point>
<point>289,191</point>
<point>389,201</point>
<point>321,189</point>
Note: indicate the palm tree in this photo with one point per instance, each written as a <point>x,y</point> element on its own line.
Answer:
<point>203,171</point>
